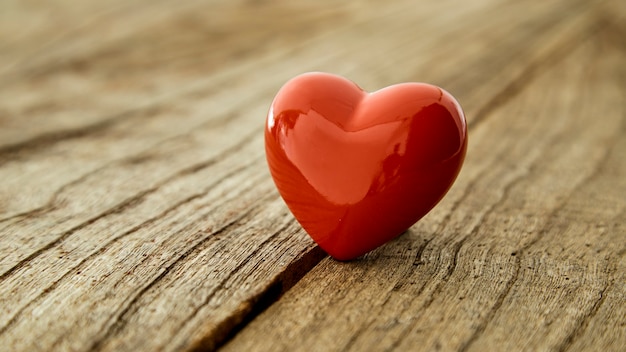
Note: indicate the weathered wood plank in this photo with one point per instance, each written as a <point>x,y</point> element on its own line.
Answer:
<point>136,212</point>
<point>526,253</point>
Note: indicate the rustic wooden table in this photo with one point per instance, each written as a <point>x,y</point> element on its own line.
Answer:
<point>137,212</point>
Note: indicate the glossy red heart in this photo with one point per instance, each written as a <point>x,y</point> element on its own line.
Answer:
<point>357,169</point>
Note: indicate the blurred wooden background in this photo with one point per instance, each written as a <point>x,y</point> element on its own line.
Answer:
<point>137,212</point>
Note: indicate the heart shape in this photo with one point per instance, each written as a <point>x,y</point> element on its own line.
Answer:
<point>357,169</point>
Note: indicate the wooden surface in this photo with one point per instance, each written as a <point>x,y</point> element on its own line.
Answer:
<point>137,212</point>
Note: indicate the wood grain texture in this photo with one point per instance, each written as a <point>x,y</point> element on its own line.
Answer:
<point>137,213</point>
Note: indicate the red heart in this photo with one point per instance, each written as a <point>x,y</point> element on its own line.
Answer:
<point>357,169</point>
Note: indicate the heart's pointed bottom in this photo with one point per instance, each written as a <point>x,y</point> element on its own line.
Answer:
<point>357,170</point>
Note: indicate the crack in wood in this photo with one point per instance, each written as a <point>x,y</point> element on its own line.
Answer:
<point>115,239</point>
<point>121,319</point>
<point>265,297</point>
<point>228,328</point>
<point>129,203</point>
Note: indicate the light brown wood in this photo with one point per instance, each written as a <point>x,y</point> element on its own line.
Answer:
<point>137,213</point>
